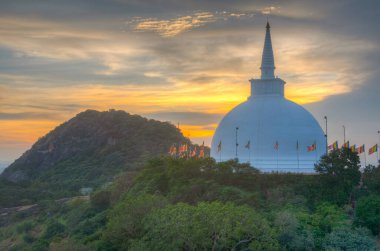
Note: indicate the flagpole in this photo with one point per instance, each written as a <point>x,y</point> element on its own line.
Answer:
<point>378,133</point>
<point>298,155</point>
<point>177,152</point>
<point>277,155</point>
<point>236,141</point>
<point>277,160</point>
<point>316,154</point>
<point>249,152</point>
<point>344,135</point>
<point>326,137</point>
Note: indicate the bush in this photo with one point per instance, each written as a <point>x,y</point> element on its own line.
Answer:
<point>24,227</point>
<point>67,245</point>
<point>54,228</point>
<point>27,238</point>
<point>368,213</point>
<point>40,245</point>
<point>349,240</point>
<point>101,199</point>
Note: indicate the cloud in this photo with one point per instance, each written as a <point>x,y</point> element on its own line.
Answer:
<point>268,10</point>
<point>186,61</point>
<point>173,27</point>
<point>188,118</point>
<point>29,116</point>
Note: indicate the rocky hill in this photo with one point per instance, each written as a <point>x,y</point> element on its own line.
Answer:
<point>90,149</point>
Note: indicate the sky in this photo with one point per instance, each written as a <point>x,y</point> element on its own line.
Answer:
<point>186,62</point>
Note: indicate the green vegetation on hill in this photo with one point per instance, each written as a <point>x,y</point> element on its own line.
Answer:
<point>176,204</point>
<point>89,150</point>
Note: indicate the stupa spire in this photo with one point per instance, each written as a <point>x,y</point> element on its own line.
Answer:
<point>267,61</point>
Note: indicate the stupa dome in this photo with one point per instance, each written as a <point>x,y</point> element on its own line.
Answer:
<point>269,131</point>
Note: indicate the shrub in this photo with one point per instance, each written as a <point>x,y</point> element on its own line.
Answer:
<point>368,213</point>
<point>54,228</point>
<point>349,240</point>
<point>101,199</point>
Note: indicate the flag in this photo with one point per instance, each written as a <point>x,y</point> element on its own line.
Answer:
<point>202,150</point>
<point>173,150</point>
<point>183,148</point>
<point>311,148</point>
<point>297,146</point>
<point>201,153</point>
<point>193,153</point>
<point>372,149</point>
<point>276,145</point>
<point>248,145</point>
<point>346,144</point>
<point>360,149</point>
<point>220,146</point>
<point>353,148</point>
<point>333,146</point>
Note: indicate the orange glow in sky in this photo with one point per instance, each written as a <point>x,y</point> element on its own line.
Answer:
<point>193,62</point>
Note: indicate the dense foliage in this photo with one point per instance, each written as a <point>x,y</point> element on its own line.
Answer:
<point>198,204</point>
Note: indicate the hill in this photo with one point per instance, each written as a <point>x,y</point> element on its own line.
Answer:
<point>89,150</point>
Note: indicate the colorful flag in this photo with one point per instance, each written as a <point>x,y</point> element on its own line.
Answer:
<point>311,148</point>
<point>220,146</point>
<point>276,146</point>
<point>201,153</point>
<point>173,150</point>
<point>248,145</point>
<point>193,153</point>
<point>346,144</point>
<point>372,149</point>
<point>360,149</point>
<point>333,146</point>
<point>183,150</point>
<point>353,148</point>
<point>202,150</point>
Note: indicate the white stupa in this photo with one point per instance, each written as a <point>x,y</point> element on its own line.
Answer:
<point>279,131</point>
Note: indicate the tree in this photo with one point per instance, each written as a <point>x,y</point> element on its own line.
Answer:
<point>207,226</point>
<point>323,221</point>
<point>291,234</point>
<point>125,220</point>
<point>349,240</point>
<point>368,213</point>
<point>339,174</point>
<point>371,177</point>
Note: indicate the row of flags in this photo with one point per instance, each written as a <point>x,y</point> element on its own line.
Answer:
<point>276,146</point>
<point>359,150</point>
<point>185,151</point>
<point>313,147</point>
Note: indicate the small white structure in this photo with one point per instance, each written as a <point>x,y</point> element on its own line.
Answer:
<point>279,131</point>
